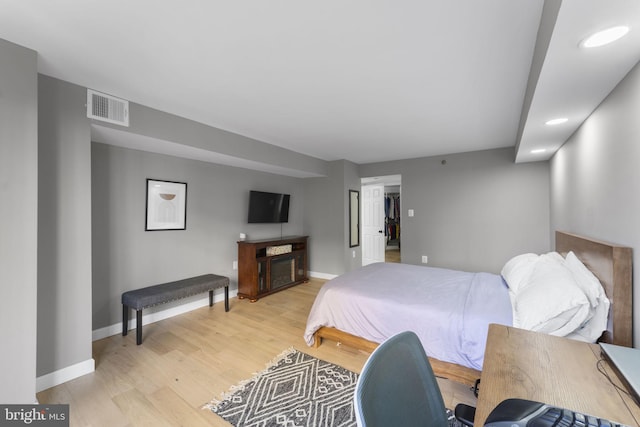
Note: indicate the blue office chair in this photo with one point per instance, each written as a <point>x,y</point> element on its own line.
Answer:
<point>397,387</point>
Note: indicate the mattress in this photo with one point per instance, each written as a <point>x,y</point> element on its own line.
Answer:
<point>449,310</point>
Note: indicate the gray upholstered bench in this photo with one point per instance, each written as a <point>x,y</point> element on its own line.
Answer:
<point>159,294</point>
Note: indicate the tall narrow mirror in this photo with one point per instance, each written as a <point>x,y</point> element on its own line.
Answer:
<point>354,218</point>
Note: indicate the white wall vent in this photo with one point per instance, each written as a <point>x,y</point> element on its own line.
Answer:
<point>107,108</point>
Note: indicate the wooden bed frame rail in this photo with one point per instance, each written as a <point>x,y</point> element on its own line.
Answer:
<point>451,371</point>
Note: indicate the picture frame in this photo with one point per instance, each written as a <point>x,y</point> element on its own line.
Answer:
<point>354,218</point>
<point>166,205</point>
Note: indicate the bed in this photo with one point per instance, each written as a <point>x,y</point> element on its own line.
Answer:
<point>358,325</point>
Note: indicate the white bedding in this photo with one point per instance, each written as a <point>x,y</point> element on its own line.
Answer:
<point>449,310</point>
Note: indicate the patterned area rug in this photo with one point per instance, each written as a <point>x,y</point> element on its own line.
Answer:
<point>294,390</point>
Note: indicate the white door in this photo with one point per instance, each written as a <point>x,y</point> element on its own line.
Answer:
<point>373,240</point>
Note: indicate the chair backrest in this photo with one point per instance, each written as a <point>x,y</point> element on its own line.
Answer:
<point>397,387</point>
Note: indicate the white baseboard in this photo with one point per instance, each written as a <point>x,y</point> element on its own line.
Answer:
<point>65,374</point>
<point>79,369</point>
<point>322,275</point>
<point>156,316</point>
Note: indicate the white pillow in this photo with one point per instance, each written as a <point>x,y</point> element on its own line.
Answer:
<point>553,256</point>
<point>550,301</point>
<point>585,279</point>
<point>517,270</point>
<point>591,286</point>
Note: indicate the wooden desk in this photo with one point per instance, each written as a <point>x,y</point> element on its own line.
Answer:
<point>549,369</point>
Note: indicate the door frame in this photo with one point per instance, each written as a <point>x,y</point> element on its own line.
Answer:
<point>385,181</point>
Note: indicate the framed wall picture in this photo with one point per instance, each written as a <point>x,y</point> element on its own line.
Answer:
<point>166,205</point>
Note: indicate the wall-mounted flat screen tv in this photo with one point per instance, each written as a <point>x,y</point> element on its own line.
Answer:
<point>267,207</point>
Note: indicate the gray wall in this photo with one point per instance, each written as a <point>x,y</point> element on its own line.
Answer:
<point>125,256</point>
<point>472,213</point>
<point>64,226</point>
<point>353,256</point>
<point>595,177</point>
<point>18,224</point>
<point>326,219</point>
<point>323,220</point>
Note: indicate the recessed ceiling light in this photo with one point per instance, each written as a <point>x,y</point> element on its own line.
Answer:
<point>538,151</point>
<point>604,37</point>
<point>556,121</point>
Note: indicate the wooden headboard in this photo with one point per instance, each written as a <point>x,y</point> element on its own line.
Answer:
<point>612,265</point>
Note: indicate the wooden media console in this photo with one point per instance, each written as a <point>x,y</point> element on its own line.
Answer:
<point>271,265</point>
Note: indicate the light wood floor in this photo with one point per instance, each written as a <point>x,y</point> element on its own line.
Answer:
<point>392,254</point>
<point>187,360</point>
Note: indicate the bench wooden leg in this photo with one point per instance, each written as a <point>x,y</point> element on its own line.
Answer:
<point>138,327</point>
<point>125,320</point>
<point>226,298</point>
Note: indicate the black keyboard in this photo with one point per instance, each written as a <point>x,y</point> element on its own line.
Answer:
<point>527,413</point>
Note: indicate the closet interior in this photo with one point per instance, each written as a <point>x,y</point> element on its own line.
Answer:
<point>392,218</point>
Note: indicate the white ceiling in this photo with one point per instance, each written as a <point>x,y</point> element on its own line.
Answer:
<point>364,81</point>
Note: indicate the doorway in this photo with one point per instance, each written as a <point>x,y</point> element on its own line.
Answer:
<point>381,214</point>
